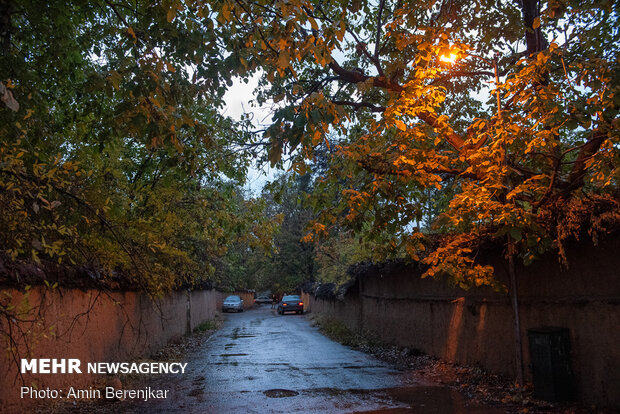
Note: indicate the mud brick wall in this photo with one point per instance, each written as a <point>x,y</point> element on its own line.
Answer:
<point>95,326</point>
<point>247,297</point>
<point>475,327</point>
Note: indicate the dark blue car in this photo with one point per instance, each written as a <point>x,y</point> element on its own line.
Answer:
<point>291,303</point>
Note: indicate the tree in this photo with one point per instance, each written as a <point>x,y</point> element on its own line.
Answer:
<point>292,262</point>
<point>246,263</point>
<point>114,155</point>
<point>518,166</point>
<point>336,254</point>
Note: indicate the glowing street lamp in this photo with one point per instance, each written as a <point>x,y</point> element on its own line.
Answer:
<point>453,57</point>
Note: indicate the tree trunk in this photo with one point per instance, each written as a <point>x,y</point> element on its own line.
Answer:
<point>514,299</point>
<point>534,38</point>
<point>6,10</point>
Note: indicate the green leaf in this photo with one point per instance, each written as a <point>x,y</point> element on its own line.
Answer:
<point>515,233</point>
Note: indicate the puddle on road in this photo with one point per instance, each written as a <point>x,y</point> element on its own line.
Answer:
<point>354,367</point>
<point>431,399</point>
<point>280,393</point>
<point>196,392</point>
<point>233,363</point>
<point>333,391</point>
<point>419,399</point>
<point>237,336</point>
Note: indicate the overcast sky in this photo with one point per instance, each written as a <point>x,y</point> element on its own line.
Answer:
<point>239,99</point>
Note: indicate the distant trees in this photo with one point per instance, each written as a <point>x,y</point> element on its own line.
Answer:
<point>292,260</point>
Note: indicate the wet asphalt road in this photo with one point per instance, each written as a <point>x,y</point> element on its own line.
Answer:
<point>260,362</point>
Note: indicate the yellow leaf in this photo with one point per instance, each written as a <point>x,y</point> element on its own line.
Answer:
<point>172,12</point>
<point>313,23</point>
<point>155,101</point>
<point>226,12</point>
<point>342,31</point>
<point>400,125</point>
<point>536,23</point>
<point>283,60</point>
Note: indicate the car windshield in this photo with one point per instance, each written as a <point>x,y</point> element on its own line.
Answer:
<point>232,299</point>
<point>290,298</point>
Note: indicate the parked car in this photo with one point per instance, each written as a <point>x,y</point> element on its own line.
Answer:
<point>263,299</point>
<point>233,302</point>
<point>290,303</point>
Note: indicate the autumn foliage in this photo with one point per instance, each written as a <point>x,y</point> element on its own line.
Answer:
<point>511,142</point>
<point>114,156</point>
<point>114,153</point>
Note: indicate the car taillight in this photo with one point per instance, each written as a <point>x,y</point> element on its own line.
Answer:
<point>301,304</point>
<point>284,304</point>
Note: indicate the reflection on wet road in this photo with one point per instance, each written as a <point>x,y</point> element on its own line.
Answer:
<point>260,362</point>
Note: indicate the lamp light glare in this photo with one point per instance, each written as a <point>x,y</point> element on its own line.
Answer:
<point>451,58</point>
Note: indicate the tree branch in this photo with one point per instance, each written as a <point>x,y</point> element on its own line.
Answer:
<point>357,77</point>
<point>358,105</point>
<point>590,148</point>
<point>378,37</point>
<point>373,167</point>
<point>120,16</point>
<point>453,138</point>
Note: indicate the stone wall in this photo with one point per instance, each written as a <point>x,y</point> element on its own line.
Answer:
<point>475,327</point>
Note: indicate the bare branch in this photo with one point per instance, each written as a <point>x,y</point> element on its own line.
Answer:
<point>115,10</point>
